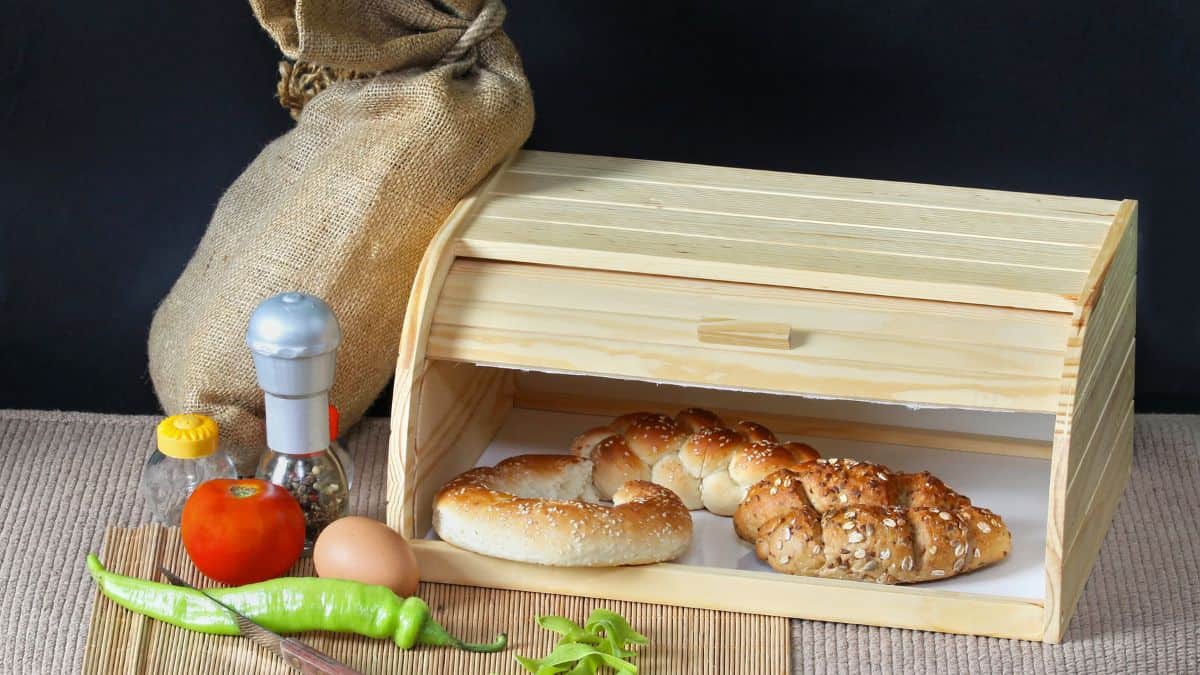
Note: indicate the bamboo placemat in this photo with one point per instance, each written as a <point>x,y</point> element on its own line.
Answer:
<point>681,640</point>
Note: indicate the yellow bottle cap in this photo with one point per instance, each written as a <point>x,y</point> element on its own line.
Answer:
<point>187,436</point>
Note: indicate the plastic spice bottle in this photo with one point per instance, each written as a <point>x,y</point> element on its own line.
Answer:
<point>187,455</point>
<point>293,338</point>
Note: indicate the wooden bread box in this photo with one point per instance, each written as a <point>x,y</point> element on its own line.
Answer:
<point>986,336</point>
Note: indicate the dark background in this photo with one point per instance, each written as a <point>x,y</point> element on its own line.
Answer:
<point>121,123</point>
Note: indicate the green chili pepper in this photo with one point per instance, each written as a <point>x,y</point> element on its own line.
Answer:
<point>287,605</point>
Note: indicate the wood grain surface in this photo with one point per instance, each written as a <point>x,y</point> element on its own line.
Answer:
<point>859,236</point>
<point>646,327</point>
<point>1093,439</point>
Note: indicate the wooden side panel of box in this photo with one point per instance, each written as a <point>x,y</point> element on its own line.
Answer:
<point>411,363</point>
<point>461,408</point>
<point>1093,447</point>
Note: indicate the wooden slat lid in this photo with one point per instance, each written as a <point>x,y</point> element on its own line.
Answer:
<point>882,238</point>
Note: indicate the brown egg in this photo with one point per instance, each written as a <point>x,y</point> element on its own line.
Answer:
<point>366,550</point>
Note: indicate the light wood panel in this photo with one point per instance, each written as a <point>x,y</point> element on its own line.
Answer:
<point>1116,316</point>
<point>768,593</point>
<point>631,326</point>
<point>462,406</point>
<point>1106,257</point>
<point>953,244</point>
<point>1103,386</point>
<point>531,320</point>
<point>1085,546</point>
<point>1096,211</point>
<point>645,294</point>
<point>749,262</point>
<point>1093,430</point>
<point>777,220</point>
<point>1094,442</point>
<point>410,361</point>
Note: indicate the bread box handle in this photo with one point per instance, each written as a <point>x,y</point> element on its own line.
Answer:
<point>745,333</point>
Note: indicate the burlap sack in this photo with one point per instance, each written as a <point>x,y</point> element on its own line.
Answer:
<point>408,107</point>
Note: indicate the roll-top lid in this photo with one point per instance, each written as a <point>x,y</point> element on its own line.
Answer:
<point>951,244</point>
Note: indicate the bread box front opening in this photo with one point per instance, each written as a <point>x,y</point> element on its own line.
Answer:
<point>477,415</point>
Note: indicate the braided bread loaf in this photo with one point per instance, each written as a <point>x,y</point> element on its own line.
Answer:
<point>706,463</point>
<point>845,519</point>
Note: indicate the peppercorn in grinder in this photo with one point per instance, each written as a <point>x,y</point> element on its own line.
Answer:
<point>294,339</point>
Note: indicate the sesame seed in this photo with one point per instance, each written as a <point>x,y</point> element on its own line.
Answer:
<point>889,522</point>
<point>944,515</point>
<point>784,560</point>
<point>860,553</point>
<point>855,537</point>
<point>848,526</point>
<point>843,499</point>
<point>885,554</point>
<point>983,527</point>
<point>938,573</point>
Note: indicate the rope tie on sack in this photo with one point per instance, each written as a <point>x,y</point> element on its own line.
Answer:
<point>300,81</point>
<point>488,21</point>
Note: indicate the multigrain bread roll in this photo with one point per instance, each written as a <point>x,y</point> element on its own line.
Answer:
<point>708,464</point>
<point>845,519</point>
<point>542,509</point>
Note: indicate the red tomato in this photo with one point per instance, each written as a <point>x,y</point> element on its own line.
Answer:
<point>242,531</point>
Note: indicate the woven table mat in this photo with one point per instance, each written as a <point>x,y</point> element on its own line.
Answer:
<point>681,640</point>
<point>71,474</point>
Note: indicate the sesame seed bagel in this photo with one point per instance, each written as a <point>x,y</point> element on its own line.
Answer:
<point>708,464</point>
<point>845,519</point>
<point>543,509</point>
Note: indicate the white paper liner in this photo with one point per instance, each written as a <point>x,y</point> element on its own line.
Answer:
<point>1016,488</point>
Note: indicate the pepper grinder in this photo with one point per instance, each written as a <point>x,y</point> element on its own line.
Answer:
<point>294,339</point>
